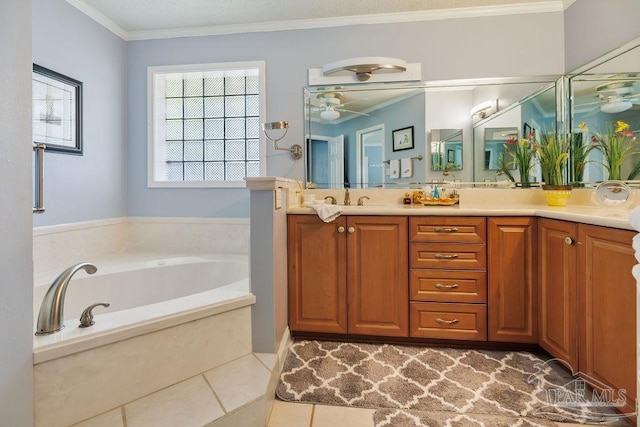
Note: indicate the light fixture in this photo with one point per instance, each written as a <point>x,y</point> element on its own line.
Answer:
<point>484,110</point>
<point>363,67</point>
<point>330,114</point>
<point>296,149</point>
<point>616,106</point>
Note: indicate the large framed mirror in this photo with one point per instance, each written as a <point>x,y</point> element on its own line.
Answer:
<point>355,124</point>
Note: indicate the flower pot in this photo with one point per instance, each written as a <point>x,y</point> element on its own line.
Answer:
<point>557,195</point>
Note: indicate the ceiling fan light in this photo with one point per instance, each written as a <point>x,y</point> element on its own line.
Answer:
<point>330,115</point>
<point>616,107</point>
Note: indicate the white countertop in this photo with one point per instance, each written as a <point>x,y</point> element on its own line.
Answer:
<point>493,203</point>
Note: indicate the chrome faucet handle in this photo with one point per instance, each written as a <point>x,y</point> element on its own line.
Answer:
<point>332,199</point>
<point>361,200</point>
<point>86,318</point>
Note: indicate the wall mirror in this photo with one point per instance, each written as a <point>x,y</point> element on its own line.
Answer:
<point>446,149</point>
<point>601,96</point>
<point>349,129</point>
<point>532,111</point>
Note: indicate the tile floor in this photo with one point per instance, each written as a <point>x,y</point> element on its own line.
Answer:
<point>285,414</point>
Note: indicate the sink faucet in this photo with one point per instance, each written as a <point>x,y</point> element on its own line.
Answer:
<point>347,198</point>
<point>51,313</point>
<point>361,200</point>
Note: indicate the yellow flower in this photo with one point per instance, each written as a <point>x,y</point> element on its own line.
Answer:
<point>583,127</point>
<point>621,126</point>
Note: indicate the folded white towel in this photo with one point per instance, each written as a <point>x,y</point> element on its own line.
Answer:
<point>406,167</point>
<point>327,212</point>
<point>394,168</point>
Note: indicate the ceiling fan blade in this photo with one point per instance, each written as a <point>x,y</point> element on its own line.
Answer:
<point>351,111</point>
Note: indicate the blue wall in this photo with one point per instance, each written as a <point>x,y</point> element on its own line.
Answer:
<point>92,186</point>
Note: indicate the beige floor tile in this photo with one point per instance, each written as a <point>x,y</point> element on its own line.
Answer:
<point>285,414</point>
<point>108,419</point>
<point>269,359</point>
<point>333,416</point>
<point>239,382</point>
<point>186,404</point>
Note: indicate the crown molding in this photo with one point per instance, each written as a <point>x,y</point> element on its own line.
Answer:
<point>97,16</point>
<point>302,24</point>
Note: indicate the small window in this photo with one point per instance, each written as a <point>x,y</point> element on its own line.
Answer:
<point>205,124</point>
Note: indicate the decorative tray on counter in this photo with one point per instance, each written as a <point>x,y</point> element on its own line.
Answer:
<point>449,201</point>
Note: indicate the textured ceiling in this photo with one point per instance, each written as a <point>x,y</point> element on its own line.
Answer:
<point>135,16</point>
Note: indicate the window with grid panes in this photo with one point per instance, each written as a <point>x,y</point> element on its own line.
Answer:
<point>206,124</point>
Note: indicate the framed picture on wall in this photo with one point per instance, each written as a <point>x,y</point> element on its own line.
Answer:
<point>57,111</point>
<point>451,156</point>
<point>403,139</point>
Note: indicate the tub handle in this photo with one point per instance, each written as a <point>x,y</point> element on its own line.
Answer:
<point>86,318</point>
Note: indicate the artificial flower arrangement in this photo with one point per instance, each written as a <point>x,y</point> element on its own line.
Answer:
<point>616,145</point>
<point>553,155</point>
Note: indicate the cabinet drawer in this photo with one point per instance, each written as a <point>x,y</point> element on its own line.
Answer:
<point>448,285</point>
<point>447,255</point>
<point>448,321</point>
<point>448,229</point>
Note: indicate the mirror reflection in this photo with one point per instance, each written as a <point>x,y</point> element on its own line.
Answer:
<point>356,123</point>
<point>497,148</point>
<point>446,149</point>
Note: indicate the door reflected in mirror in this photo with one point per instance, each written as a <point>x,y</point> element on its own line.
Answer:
<point>446,149</point>
<point>370,162</point>
<point>325,162</point>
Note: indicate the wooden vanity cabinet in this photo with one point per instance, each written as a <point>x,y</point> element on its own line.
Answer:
<point>348,276</point>
<point>512,279</point>
<point>557,289</point>
<point>607,309</point>
<point>448,279</point>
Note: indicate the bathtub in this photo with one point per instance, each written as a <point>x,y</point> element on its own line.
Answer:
<point>169,318</point>
<point>144,294</point>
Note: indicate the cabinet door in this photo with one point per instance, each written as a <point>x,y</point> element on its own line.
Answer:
<point>512,279</point>
<point>607,308</point>
<point>557,321</point>
<point>378,291</point>
<point>317,274</point>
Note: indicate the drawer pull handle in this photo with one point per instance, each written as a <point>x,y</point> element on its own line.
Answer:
<point>446,256</point>
<point>447,322</point>
<point>446,229</point>
<point>441,286</point>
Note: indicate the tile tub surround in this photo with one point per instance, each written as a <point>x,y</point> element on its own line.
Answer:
<point>75,387</point>
<point>238,393</point>
<point>58,246</point>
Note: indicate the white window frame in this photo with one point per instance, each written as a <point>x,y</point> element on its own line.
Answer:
<point>156,119</point>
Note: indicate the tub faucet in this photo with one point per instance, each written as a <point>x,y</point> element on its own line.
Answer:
<point>51,313</point>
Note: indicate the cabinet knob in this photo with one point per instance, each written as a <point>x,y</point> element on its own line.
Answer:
<point>447,322</point>
<point>341,229</point>
<point>351,230</point>
<point>568,241</point>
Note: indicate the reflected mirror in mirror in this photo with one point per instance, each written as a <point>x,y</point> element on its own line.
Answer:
<point>600,103</point>
<point>446,149</point>
<point>497,148</point>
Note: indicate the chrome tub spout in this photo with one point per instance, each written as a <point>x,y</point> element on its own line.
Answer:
<point>51,313</point>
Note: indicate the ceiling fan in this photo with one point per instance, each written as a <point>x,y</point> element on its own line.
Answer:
<point>616,97</point>
<point>330,106</point>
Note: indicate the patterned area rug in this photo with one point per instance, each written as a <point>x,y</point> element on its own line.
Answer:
<point>443,380</point>
<point>409,418</point>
